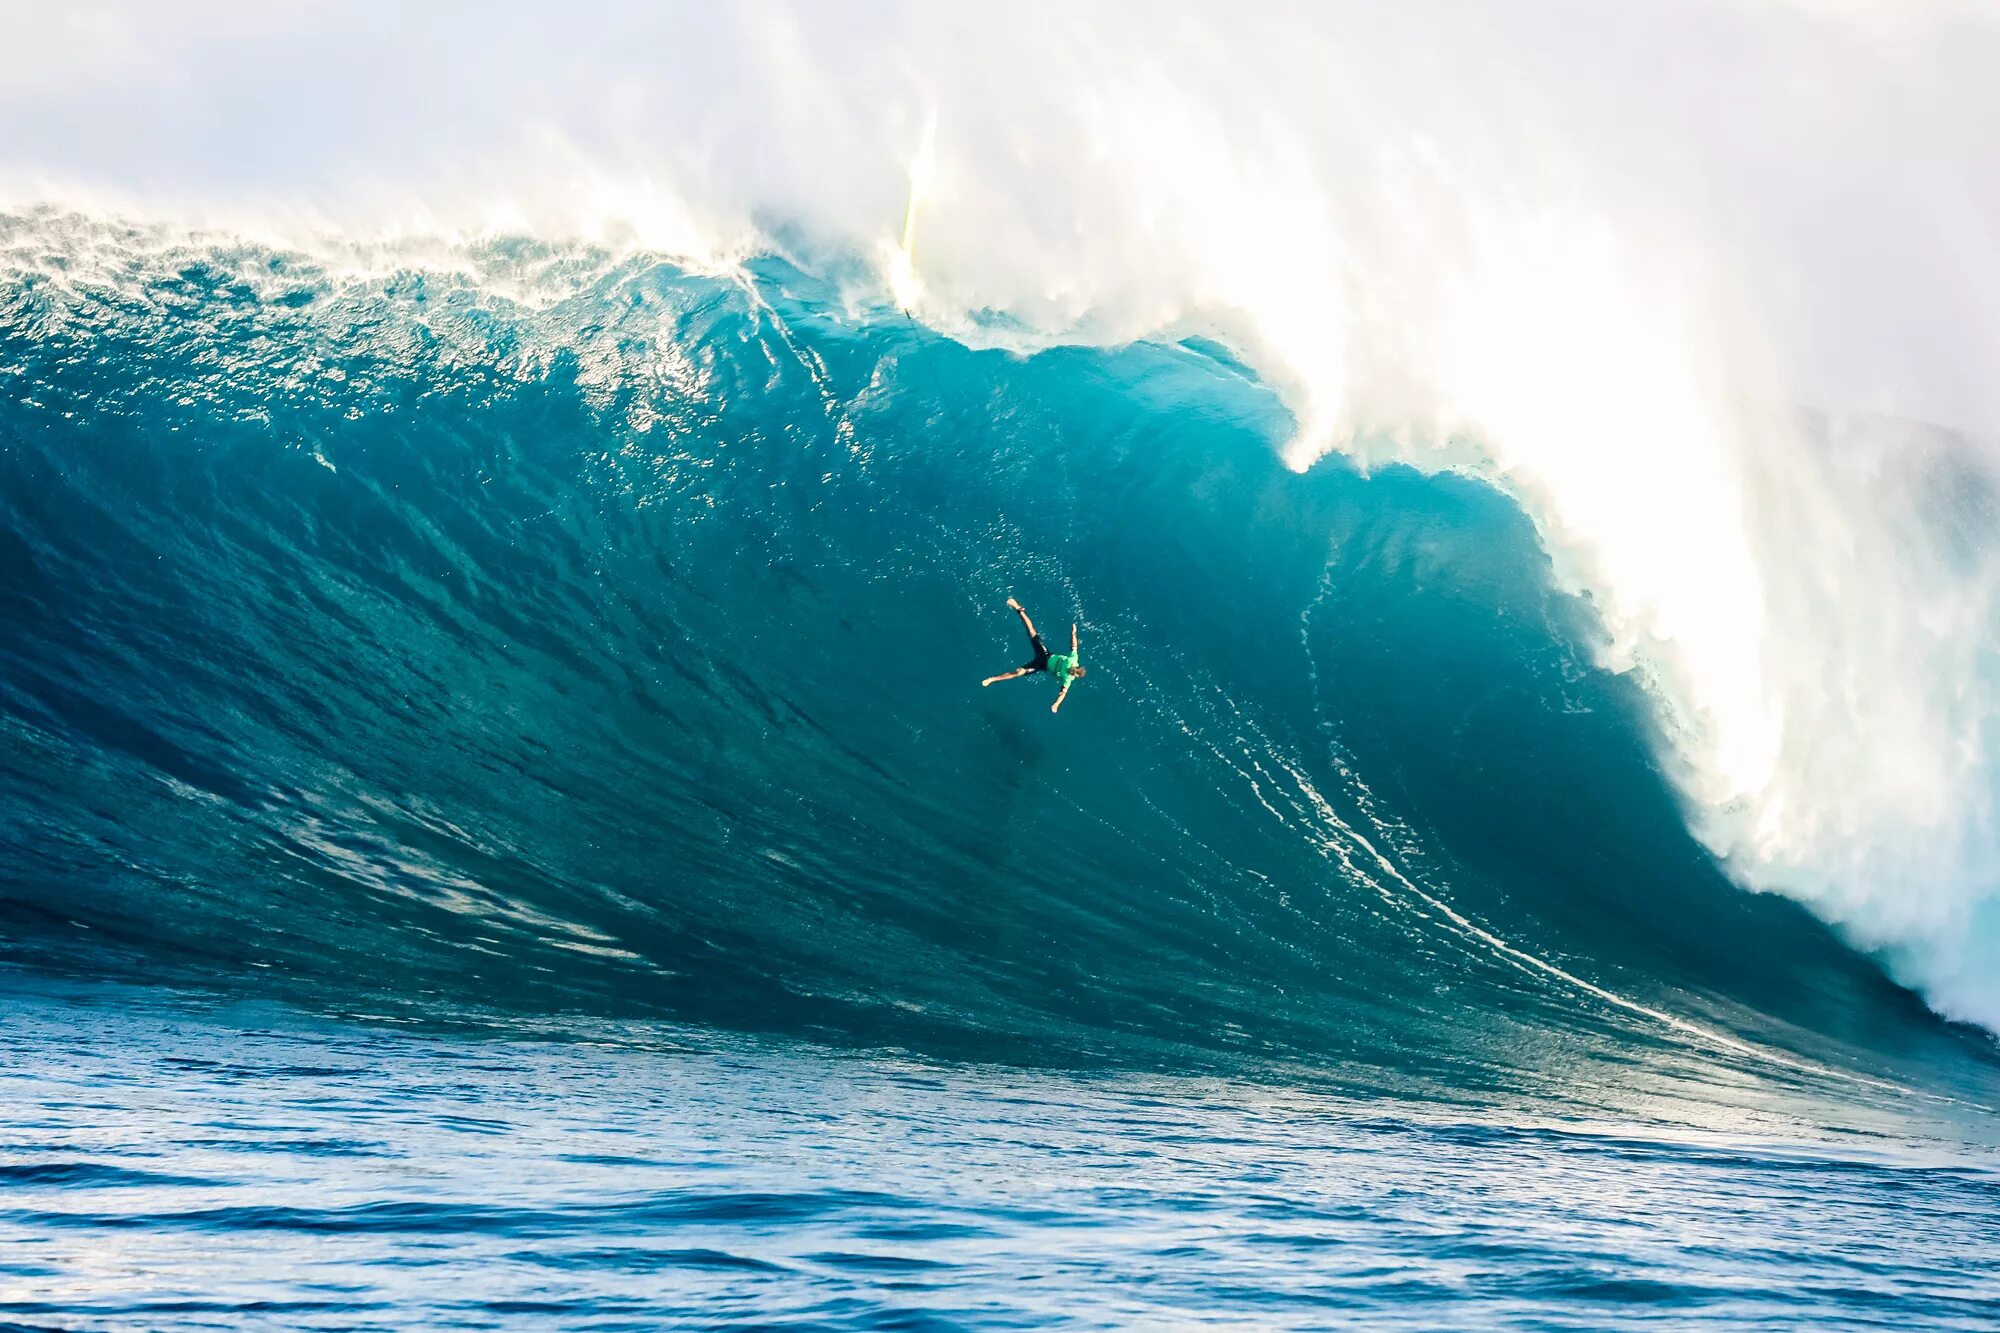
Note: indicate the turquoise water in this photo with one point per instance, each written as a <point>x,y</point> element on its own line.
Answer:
<point>516,733</point>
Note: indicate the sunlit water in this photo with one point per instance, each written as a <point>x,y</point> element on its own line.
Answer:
<point>163,1166</point>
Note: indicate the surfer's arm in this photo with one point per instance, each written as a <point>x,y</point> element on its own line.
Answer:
<point>1072,638</point>
<point>1061,695</point>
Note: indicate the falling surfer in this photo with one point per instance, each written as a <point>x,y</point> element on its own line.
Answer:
<point>1067,667</point>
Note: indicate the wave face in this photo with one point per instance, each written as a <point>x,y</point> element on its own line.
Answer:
<point>567,632</point>
<point>1589,255</point>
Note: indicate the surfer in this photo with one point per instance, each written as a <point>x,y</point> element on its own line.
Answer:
<point>1065,667</point>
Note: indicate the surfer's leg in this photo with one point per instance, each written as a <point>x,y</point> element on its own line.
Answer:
<point>1026,623</point>
<point>1015,674</point>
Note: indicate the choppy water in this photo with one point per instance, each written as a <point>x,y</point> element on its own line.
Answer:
<point>166,1167</point>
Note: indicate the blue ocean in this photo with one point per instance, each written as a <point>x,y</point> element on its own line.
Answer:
<point>502,829</point>
<point>504,520</point>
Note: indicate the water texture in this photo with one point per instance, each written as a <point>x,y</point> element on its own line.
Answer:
<point>552,682</point>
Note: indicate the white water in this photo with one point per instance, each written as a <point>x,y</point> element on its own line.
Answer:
<point>1594,253</point>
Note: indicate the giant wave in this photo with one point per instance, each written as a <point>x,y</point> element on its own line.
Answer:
<point>571,633</point>
<point>450,554</point>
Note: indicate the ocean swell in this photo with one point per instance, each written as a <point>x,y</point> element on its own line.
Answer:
<point>560,631</point>
<point>1583,255</point>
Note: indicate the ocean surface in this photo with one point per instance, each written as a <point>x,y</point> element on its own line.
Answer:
<point>177,1166</point>
<point>499,827</point>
